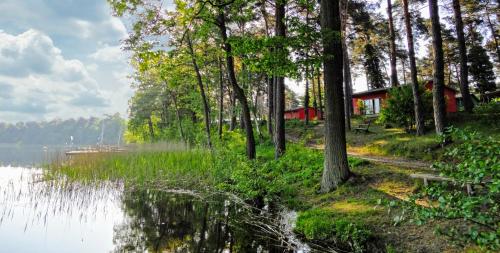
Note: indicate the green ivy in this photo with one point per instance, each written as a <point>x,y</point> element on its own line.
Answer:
<point>474,160</point>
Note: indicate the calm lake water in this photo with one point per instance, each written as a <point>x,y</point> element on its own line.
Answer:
<point>45,216</point>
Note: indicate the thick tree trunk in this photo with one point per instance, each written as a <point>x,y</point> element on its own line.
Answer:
<point>306,98</point>
<point>280,145</point>
<point>270,105</point>
<point>206,108</point>
<point>438,87</point>
<point>464,70</point>
<point>221,98</point>
<point>320,99</point>
<point>240,94</point>
<point>394,71</point>
<point>336,168</point>
<point>417,100</point>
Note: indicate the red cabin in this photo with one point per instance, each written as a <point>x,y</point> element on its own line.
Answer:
<point>373,99</point>
<point>300,114</point>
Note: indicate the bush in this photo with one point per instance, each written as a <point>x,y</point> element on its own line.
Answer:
<point>493,107</point>
<point>474,160</point>
<point>398,107</point>
<point>319,224</point>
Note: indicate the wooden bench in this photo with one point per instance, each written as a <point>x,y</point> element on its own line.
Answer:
<point>431,177</point>
<point>363,127</point>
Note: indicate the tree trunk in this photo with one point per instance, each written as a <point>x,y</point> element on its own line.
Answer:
<point>239,93</point>
<point>493,31</point>
<point>280,145</point>
<point>394,71</point>
<point>347,67</point>
<point>404,70</point>
<point>221,98</point>
<point>306,98</point>
<point>336,168</point>
<point>242,121</point>
<point>270,105</point>
<point>206,108</point>
<point>232,124</point>
<point>464,71</point>
<point>417,101</point>
<point>256,113</point>
<point>320,99</point>
<point>306,94</point>
<point>151,129</point>
<point>438,87</point>
<point>178,116</point>
<point>315,102</point>
<point>347,90</point>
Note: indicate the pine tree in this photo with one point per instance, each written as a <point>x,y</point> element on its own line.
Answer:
<point>438,86</point>
<point>481,69</point>
<point>336,168</point>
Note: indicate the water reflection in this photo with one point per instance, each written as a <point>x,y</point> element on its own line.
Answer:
<point>28,155</point>
<point>39,215</point>
<point>170,222</point>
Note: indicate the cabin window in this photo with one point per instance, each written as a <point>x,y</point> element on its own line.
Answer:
<point>376,105</point>
<point>372,106</point>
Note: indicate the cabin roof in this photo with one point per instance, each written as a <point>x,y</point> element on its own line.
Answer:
<point>386,89</point>
<point>296,109</point>
<point>368,92</point>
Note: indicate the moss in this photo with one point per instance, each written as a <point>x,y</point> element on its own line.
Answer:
<point>321,224</point>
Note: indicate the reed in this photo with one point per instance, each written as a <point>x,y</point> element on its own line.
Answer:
<point>174,168</point>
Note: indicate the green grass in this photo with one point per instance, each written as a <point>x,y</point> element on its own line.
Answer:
<point>174,168</point>
<point>394,141</point>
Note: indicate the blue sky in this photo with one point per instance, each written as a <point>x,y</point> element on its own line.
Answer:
<point>61,59</point>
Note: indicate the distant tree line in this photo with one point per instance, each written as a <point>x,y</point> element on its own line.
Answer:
<point>84,131</point>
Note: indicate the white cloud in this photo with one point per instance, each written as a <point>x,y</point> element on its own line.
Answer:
<point>61,59</point>
<point>109,54</point>
<point>38,82</point>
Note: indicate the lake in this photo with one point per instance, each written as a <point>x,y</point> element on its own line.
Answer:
<point>37,215</point>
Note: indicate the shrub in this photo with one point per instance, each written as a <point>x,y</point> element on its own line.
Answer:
<point>492,107</point>
<point>474,160</point>
<point>398,108</point>
<point>361,107</point>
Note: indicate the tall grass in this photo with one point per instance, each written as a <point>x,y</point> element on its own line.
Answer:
<point>226,168</point>
<point>179,168</point>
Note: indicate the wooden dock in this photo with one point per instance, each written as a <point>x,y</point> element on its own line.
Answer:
<point>95,150</point>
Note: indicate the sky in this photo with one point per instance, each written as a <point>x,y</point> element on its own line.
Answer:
<point>61,59</point>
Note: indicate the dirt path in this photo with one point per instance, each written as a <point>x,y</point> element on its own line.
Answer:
<point>387,160</point>
<point>393,161</point>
